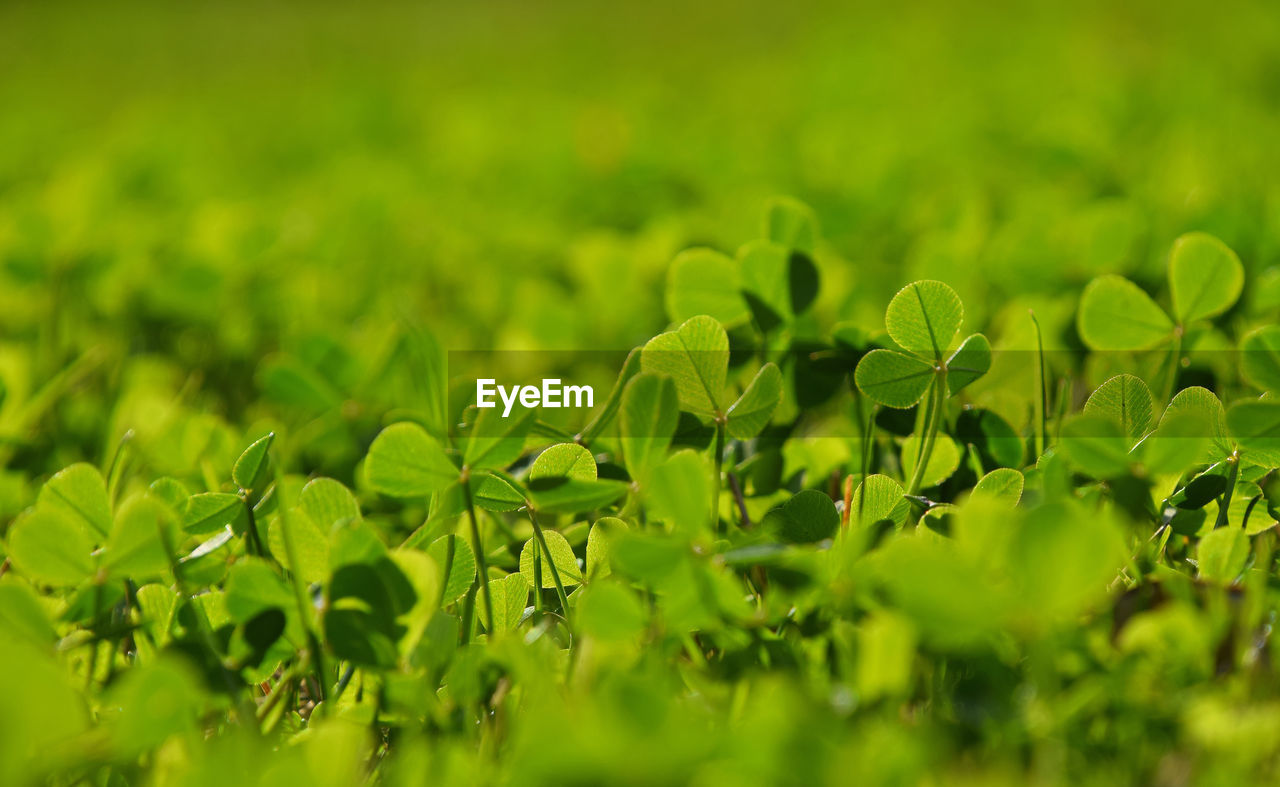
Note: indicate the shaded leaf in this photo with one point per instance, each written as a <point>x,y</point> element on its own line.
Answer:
<point>806,517</point>
<point>752,411</point>
<point>971,360</point>
<point>1260,358</point>
<point>1096,445</point>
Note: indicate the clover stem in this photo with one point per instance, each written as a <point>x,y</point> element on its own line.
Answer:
<point>936,404</point>
<point>482,569</point>
<point>537,570</point>
<point>253,542</point>
<point>1225,504</point>
<point>555,572</point>
<point>868,445</point>
<point>93,646</point>
<point>715,483</point>
<point>1175,357</point>
<point>1042,399</point>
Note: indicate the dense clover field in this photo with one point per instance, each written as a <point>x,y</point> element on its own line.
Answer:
<point>957,466</point>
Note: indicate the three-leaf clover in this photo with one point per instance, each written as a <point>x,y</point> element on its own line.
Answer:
<point>923,320</point>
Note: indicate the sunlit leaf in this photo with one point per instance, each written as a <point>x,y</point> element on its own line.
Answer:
<point>924,317</point>
<point>696,357</point>
<point>1116,314</point>
<point>1205,277</point>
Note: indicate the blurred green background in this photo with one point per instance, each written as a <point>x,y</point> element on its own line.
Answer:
<point>232,214</point>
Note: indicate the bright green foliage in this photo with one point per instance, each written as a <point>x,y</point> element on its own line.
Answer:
<point>495,493</point>
<point>255,530</point>
<point>704,281</point>
<point>878,498</point>
<point>509,596</point>
<point>650,413</point>
<point>791,223</point>
<point>1116,314</point>
<point>1256,428</point>
<point>253,467</point>
<point>457,564</point>
<point>941,464</point>
<point>677,492</point>
<point>565,460</point>
<point>560,554</point>
<point>495,441</point>
<point>696,357</point>
<point>79,495</point>
<point>50,549</point>
<point>600,545</point>
<point>894,379</point>
<point>405,461</point>
<point>564,495</point>
<point>210,512</point>
<point>327,502</point>
<point>1126,400</point>
<point>924,317</point>
<point>1205,277</point>
<point>138,545</point>
<point>1222,554</point>
<point>611,612</point>
<point>1201,404</point>
<point>1003,484</point>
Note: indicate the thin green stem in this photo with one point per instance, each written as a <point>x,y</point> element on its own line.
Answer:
<point>1175,359</point>
<point>537,569</point>
<point>281,690</point>
<point>253,541</point>
<point>555,572</point>
<point>482,567</point>
<point>937,404</point>
<point>1042,399</point>
<point>93,646</point>
<point>715,483</point>
<point>469,612</point>
<point>341,685</point>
